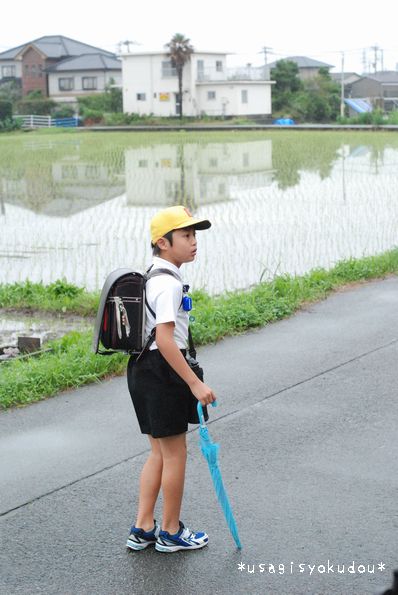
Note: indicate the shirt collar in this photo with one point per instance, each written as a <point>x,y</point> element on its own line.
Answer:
<point>161,263</point>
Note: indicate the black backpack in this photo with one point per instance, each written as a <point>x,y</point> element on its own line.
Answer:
<point>120,321</point>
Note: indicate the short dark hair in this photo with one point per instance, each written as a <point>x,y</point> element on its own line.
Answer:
<point>155,247</point>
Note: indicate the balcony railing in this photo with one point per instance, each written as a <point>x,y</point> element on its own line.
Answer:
<point>244,73</point>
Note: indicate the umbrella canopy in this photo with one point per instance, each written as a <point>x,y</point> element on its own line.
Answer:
<point>210,452</point>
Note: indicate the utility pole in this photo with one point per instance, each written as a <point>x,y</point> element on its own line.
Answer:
<point>265,50</point>
<point>364,61</point>
<point>375,48</point>
<point>342,86</point>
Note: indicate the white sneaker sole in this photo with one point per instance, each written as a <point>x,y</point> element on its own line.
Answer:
<point>139,546</point>
<point>169,549</point>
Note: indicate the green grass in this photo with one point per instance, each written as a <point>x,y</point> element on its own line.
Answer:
<point>60,296</point>
<point>69,365</point>
<point>72,364</point>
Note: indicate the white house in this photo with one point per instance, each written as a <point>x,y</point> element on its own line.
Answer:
<point>82,75</point>
<point>150,86</point>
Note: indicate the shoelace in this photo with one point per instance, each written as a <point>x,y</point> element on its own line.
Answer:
<point>187,534</point>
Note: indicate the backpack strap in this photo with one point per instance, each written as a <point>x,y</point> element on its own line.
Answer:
<point>148,275</point>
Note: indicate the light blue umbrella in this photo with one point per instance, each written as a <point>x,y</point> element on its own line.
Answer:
<point>210,452</point>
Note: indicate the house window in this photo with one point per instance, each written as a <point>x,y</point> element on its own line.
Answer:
<point>141,96</point>
<point>69,172</point>
<point>244,96</point>
<point>33,71</point>
<point>201,69</point>
<point>168,69</point>
<point>89,83</point>
<point>65,84</point>
<point>218,66</point>
<point>7,71</point>
<point>211,95</point>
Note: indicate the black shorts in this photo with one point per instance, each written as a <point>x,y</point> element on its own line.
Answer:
<point>163,402</point>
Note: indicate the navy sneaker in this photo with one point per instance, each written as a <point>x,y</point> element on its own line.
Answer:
<point>140,539</point>
<point>184,539</point>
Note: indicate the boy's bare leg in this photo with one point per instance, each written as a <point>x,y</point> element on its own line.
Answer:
<point>150,482</point>
<point>174,453</point>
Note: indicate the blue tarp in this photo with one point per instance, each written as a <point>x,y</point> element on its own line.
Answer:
<point>284,122</point>
<point>359,105</point>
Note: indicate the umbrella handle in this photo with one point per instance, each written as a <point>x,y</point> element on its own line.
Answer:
<point>200,413</point>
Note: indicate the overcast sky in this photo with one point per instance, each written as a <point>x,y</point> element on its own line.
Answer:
<point>321,30</point>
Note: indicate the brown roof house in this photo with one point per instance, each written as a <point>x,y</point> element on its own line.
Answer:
<point>60,67</point>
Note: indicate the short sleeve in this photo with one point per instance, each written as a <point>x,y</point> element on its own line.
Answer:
<point>167,302</point>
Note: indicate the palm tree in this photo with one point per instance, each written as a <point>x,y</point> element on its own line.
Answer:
<point>180,51</point>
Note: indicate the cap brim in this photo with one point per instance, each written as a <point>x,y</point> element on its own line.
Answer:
<point>196,223</point>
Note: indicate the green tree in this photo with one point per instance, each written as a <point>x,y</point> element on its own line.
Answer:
<point>180,50</point>
<point>114,96</point>
<point>287,83</point>
<point>320,98</point>
<point>11,90</point>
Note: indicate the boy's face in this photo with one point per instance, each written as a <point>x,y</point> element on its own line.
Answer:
<point>183,249</point>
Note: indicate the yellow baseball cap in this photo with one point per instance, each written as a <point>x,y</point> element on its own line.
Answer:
<point>174,218</point>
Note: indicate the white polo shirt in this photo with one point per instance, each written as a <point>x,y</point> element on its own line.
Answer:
<point>164,295</point>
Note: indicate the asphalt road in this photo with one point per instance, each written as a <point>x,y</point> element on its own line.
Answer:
<point>307,425</point>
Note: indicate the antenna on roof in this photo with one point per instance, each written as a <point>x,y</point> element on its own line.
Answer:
<point>127,43</point>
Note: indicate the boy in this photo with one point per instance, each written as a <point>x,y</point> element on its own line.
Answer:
<point>165,390</point>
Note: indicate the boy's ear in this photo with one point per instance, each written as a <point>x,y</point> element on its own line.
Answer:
<point>163,244</point>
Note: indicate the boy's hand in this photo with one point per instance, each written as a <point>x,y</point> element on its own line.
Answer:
<point>202,392</point>
<point>168,348</point>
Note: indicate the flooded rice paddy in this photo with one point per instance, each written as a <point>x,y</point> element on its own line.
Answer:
<point>77,205</point>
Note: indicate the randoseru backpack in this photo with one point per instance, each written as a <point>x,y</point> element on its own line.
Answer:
<point>120,321</point>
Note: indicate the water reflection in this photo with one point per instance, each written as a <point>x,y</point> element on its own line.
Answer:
<point>195,174</point>
<point>79,206</point>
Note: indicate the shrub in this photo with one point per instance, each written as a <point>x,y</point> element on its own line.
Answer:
<point>5,110</point>
<point>61,287</point>
<point>393,117</point>
<point>92,116</point>
<point>11,90</point>
<point>39,107</point>
<point>116,119</point>
<point>63,111</point>
<point>110,101</point>
<point>10,124</point>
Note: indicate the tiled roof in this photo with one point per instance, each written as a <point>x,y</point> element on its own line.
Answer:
<point>87,62</point>
<point>303,62</point>
<point>387,76</point>
<point>55,46</point>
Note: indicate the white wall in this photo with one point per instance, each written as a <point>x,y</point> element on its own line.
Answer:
<point>17,64</point>
<point>142,73</point>
<point>229,95</point>
<point>103,78</point>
